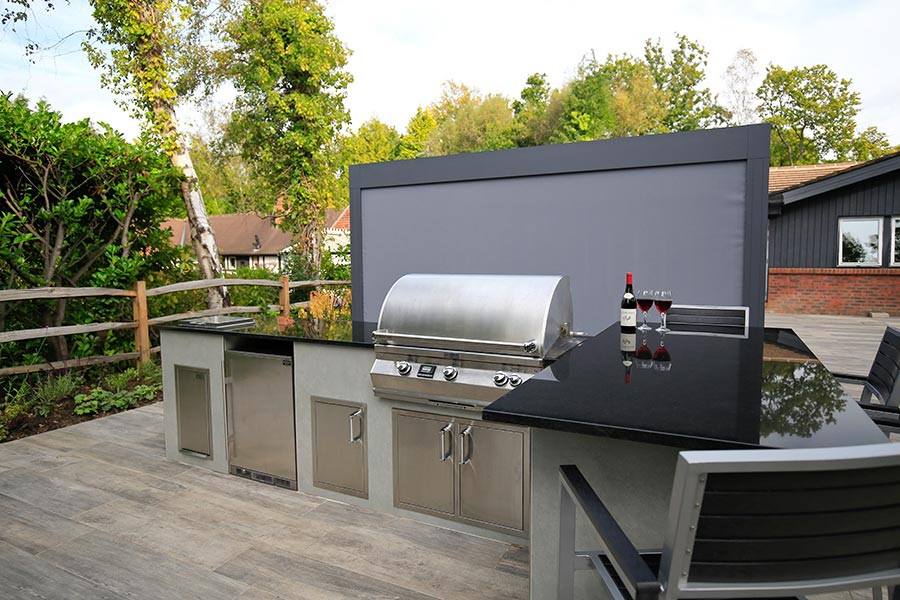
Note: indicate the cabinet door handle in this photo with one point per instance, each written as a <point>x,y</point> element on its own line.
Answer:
<point>445,453</point>
<point>465,450</point>
<point>353,437</point>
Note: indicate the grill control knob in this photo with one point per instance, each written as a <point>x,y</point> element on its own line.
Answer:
<point>450,373</point>
<point>403,367</point>
<point>514,380</point>
<point>500,378</point>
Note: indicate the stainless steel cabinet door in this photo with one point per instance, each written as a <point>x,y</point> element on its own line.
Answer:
<point>423,463</point>
<point>492,467</point>
<point>260,404</point>
<point>192,407</point>
<point>339,446</point>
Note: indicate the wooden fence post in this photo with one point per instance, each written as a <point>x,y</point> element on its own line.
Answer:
<point>142,333</point>
<point>284,296</point>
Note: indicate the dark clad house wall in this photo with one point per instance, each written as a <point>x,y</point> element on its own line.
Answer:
<point>806,232</point>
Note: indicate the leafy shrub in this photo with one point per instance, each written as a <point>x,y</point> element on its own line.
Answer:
<point>253,295</point>
<point>102,400</point>
<point>52,391</point>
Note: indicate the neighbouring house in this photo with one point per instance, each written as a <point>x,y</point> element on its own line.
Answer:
<point>337,233</point>
<point>248,240</point>
<point>834,238</point>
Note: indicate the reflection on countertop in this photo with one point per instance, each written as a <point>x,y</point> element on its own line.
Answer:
<point>336,331</point>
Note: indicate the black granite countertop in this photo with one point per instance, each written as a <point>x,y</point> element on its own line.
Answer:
<point>320,331</point>
<point>763,390</point>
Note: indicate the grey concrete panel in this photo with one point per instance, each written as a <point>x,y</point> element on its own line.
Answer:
<point>680,227</point>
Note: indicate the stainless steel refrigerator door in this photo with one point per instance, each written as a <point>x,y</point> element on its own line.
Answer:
<point>339,446</point>
<point>192,408</point>
<point>492,463</point>
<point>423,463</point>
<point>259,395</point>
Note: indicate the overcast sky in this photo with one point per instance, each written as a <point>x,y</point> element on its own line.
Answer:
<point>404,49</point>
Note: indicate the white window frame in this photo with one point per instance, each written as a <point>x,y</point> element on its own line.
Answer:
<point>840,242</point>
<point>895,223</point>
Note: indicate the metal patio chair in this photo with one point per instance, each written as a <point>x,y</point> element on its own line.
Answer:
<point>881,393</point>
<point>751,523</point>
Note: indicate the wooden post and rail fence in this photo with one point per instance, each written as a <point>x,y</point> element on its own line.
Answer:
<point>141,322</point>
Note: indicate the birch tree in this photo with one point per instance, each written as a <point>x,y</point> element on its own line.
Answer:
<point>133,45</point>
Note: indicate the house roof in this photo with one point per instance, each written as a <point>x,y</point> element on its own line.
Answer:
<point>851,174</point>
<point>337,218</point>
<point>236,234</point>
<point>783,178</point>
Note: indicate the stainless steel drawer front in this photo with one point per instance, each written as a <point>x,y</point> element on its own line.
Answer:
<point>259,395</point>
<point>192,407</point>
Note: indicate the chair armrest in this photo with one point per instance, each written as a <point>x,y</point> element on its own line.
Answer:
<point>633,570</point>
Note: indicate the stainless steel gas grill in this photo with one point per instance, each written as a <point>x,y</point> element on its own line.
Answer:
<point>465,340</point>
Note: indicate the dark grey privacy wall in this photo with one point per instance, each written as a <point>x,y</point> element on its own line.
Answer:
<point>683,211</point>
<point>805,234</point>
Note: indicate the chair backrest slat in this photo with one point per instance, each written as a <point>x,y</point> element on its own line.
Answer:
<point>787,519</point>
<point>885,371</point>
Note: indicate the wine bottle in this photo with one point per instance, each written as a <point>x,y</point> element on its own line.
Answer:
<point>628,315</point>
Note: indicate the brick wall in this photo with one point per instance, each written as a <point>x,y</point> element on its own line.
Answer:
<point>849,291</point>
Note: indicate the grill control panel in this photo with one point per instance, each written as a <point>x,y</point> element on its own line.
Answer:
<point>426,371</point>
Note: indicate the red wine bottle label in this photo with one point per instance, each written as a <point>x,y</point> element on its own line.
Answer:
<point>627,342</point>
<point>628,317</point>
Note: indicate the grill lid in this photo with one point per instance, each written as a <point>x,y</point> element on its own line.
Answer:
<point>504,314</point>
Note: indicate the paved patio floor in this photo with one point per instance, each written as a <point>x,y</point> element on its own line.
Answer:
<point>94,511</point>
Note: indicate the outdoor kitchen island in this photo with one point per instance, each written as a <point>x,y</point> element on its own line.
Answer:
<point>623,427</point>
<point>334,437</point>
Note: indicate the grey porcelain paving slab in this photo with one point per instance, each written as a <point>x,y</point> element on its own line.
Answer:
<point>64,440</point>
<point>142,420</point>
<point>131,457</point>
<point>110,479</point>
<point>116,429</point>
<point>167,532</point>
<point>446,542</point>
<point>378,553</point>
<point>64,498</point>
<point>156,408</point>
<point>268,497</point>
<point>292,576</point>
<point>515,561</point>
<point>31,529</point>
<point>24,576</point>
<point>254,593</point>
<point>139,572</point>
<point>253,517</point>
<point>347,515</point>
<point>25,453</point>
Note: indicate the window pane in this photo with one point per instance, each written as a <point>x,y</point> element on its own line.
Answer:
<point>859,241</point>
<point>897,240</point>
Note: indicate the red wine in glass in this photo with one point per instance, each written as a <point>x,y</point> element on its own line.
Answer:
<point>645,304</point>
<point>663,306</point>
<point>663,301</point>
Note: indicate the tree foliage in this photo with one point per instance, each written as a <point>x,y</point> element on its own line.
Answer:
<point>288,69</point>
<point>739,78</point>
<point>78,206</point>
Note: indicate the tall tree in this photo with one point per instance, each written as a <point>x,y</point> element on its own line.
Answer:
<point>419,130</point>
<point>638,106</point>
<point>812,112</point>
<point>470,122</point>
<point>681,75</point>
<point>538,111</point>
<point>288,69</point>
<point>372,142</point>
<point>586,108</point>
<point>739,78</point>
<point>133,45</point>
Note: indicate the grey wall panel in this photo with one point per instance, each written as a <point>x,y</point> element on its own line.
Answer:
<point>806,232</point>
<point>679,227</point>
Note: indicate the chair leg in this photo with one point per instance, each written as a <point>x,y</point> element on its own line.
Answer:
<point>565,575</point>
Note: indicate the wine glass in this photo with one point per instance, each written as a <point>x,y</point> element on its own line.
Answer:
<point>663,301</point>
<point>645,303</point>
